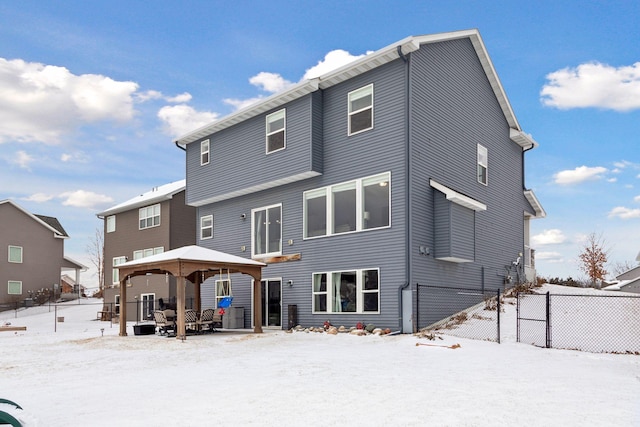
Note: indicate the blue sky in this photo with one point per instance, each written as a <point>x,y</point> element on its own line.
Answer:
<point>93,94</point>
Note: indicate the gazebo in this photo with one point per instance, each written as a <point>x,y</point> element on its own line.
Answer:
<point>195,264</point>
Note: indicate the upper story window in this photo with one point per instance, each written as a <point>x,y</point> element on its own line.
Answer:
<point>356,291</point>
<point>15,254</point>
<point>149,216</point>
<point>14,287</point>
<point>206,227</point>
<point>204,152</point>
<point>362,204</point>
<point>111,223</point>
<point>361,109</point>
<point>143,253</point>
<point>267,230</point>
<point>482,164</point>
<point>276,131</point>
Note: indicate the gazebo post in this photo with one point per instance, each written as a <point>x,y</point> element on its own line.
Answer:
<point>257,304</point>
<point>123,307</point>
<point>196,292</point>
<point>181,333</point>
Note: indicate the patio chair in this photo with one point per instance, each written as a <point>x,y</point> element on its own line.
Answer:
<point>163,323</point>
<point>191,320</point>
<point>205,322</point>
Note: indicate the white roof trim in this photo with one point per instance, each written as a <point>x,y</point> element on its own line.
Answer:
<point>362,65</point>
<point>458,198</point>
<point>194,253</point>
<point>535,204</point>
<point>157,194</point>
<point>522,139</point>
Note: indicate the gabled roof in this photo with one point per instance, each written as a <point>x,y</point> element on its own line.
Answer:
<point>47,221</point>
<point>362,65</point>
<point>155,195</point>
<point>193,253</point>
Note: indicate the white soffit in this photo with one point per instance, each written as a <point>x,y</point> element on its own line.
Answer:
<point>458,198</point>
<point>535,204</point>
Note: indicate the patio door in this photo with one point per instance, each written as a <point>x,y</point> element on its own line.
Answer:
<point>271,303</point>
<point>147,306</point>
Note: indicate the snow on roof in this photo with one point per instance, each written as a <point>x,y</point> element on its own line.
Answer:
<point>362,65</point>
<point>156,194</point>
<point>194,253</point>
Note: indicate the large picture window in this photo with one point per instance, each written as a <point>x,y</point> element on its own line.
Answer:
<point>149,216</point>
<point>276,138</point>
<point>363,204</point>
<point>482,164</point>
<point>15,254</point>
<point>267,231</point>
<point>361,110</point>
<point>355,291</point>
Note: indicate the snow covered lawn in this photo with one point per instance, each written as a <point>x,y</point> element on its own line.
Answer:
<point>77,377</point>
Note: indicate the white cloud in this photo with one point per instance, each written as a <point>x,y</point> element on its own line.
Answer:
<point>579,174</point>
<point>332,61</point>
<point>39,198</point>
<point>239,104</point>
<point>84,199</point>
<point>549,237</point>
<point>551,257</point>
<point>23,159</point>
<point>270,82</point>
<point>148,95</point>
<point>42,102</point>
<point>65,157</point>
<point>594,85</point>
<point>624,213</point>
<point>612,179</point>
<point>180,99</point>
<point>636,199</point>
<point>181,119</point>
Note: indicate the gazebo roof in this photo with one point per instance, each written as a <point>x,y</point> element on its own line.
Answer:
<point>194,253</point>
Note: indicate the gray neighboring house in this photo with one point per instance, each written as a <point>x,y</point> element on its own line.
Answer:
<point>404,167</point>
<point>31,254</point>
<point>148,224</point>
<point>629,281</point>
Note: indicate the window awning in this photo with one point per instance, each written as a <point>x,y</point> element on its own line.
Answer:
<point>458,198</point>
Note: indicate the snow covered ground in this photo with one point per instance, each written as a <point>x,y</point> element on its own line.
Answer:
<point>78,377</point>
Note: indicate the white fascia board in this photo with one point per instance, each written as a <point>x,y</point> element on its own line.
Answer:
<point>454,259</point>
<point>297,91</point>
<point>157,194</point>
<point>535,204</point>
<point>458,198</point>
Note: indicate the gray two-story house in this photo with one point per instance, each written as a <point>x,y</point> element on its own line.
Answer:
<point>404,167</point>
<point>151,223</point>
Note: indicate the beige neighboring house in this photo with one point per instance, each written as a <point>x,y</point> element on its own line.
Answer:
<point>148,224</point>
<point>31,254</point>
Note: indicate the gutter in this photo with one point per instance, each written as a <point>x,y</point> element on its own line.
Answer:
<point>180,146</point>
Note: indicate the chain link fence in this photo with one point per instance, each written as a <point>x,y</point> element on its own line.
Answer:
<point>462,312</point>
<point>593,323</point>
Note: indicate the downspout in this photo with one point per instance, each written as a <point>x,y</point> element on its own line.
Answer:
<point>180,146</point>
<point>407,194</point>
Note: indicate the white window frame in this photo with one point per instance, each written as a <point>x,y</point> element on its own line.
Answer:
<point>273,117</point>
<point>360,212</point>
<point>14,283</point>
<point>360,292</point>
<point>483,165</point>
<point>267,220</point>
<point>14,259</point>
<point>111,223</point>
<point>205,151</point>
<point>204,227</point>
<point>223,289</point>
<point>149,213</point>
<point>353,96</point>
<point>115,275</point>
<point>150,298</point>
<point>116,304</point>
<point>143,253</point>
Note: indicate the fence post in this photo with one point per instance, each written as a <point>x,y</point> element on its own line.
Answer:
<point>498,308</point>
<point>416,323</point>
<point>548,320</point>
<point>517,316</point>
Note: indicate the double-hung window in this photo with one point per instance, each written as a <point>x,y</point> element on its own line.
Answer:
<point>116,272</point>
<point>361,109</point>
<point>204,152</point>
<point>276,131</point>
<point>14,287</point>
<point>355,291</point>
<point>362,204</point>
<point>111,223</point>
<point>206,227</point>
<point>482,164</point>
<point>15,254</point>
<point>267,230</point>
<point>223,289</point>
<point>149,216</point>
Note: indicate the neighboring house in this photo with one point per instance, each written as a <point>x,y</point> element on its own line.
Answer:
<point>31,253</point>
<point>404,167</point>
<point>70,288</point>
<point>629,281</point>
<point>148,224</point>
